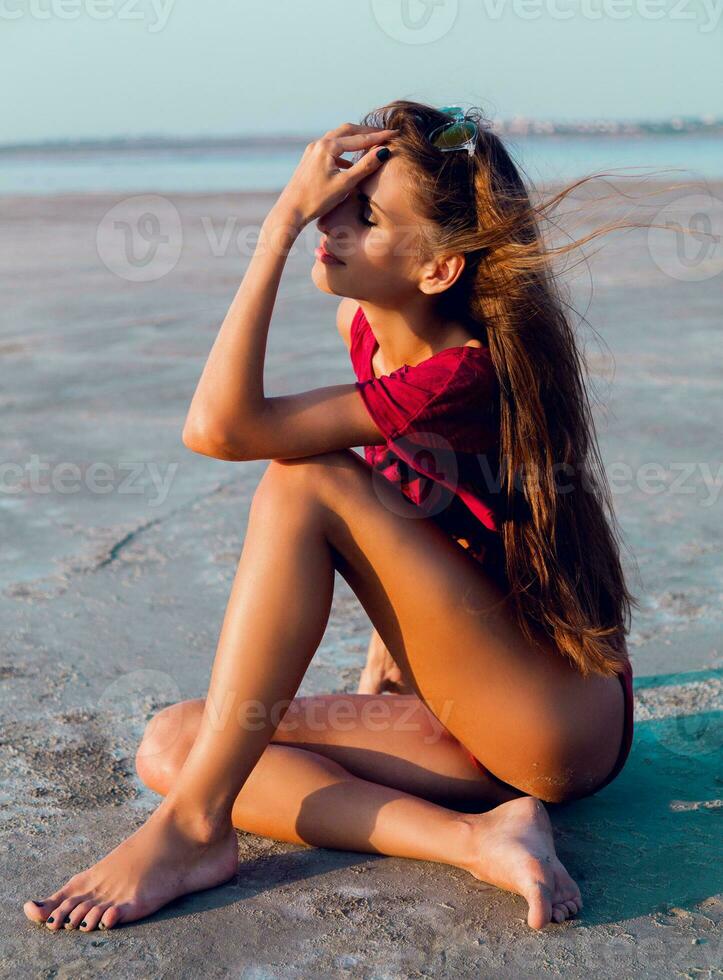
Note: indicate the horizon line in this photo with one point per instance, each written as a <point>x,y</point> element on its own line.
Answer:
<point>513,126</point>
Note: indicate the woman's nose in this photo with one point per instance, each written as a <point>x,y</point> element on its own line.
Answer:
<point>332,218</point>
<point>326,221</point>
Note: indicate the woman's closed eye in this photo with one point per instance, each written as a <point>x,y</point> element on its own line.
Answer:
<point>362,198</point>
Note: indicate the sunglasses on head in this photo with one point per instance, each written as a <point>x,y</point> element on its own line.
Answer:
<point>459,133</point>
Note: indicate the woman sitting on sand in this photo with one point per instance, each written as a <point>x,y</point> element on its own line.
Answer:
<point>475,532</point>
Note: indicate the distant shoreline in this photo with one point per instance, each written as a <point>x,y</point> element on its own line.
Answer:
<point>262,164</point>
<point>515,128</point>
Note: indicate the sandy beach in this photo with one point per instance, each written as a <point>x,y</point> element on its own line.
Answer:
<point>118,550</point>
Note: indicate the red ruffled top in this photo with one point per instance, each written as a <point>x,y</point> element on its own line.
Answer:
<point>440,421</point>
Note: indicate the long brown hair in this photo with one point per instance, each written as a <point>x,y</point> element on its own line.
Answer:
<point>561,548</point>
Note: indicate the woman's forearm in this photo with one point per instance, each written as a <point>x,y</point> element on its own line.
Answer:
<point>229,398</point>
<point>230,393</point>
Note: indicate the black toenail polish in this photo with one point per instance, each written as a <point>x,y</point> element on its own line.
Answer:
<point>84,924</point>
<point>39,904</point>
<point>51,919</point>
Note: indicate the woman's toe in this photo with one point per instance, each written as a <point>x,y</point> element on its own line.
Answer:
<point>66,911</point>
<point>111,917</point>
<point>37,911</point>
<point>78,914</point>
<point>56,919</point>
<point>567,886</point>
<point>92,917</point>
<point>566,891</point>
<point>559,913</point>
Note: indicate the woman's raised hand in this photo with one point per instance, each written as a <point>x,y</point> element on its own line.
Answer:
<point>323,177</point>
<point>381,673</point>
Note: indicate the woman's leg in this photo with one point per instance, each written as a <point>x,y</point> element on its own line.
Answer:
<point>390,739</point>
<point>547,730</point>
<point>304,797</point>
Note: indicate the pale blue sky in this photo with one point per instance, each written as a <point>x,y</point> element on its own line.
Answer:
<point>231,67</point>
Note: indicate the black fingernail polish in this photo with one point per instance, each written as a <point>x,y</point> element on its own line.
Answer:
<point>384,153</point>
<point>51,919</point>
<point>84,923</point>
<point>67,918</point>
<point>39,904</point>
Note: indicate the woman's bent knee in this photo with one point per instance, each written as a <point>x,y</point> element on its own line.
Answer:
<point>313,473</point>
<point>283,483</point>
<point>167,739</point>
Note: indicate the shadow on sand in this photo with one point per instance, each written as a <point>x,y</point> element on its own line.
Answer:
<point>651,839</point>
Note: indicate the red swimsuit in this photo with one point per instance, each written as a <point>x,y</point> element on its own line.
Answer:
<point>440,420</point>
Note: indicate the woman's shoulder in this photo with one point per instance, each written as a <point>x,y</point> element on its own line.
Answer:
<point>361,343</point>
<point>358,323</point>
<point>347,313</point>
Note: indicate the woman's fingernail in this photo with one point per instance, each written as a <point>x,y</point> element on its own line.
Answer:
<point>384,153</point>
<point>84,923</point>
<point>51,919</point>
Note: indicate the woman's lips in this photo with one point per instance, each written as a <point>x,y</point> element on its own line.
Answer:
<point>326,257</point>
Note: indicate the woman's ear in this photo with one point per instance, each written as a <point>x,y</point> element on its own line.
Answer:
<point>441,272</point>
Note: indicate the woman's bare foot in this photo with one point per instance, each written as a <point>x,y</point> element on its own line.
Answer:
<point>170,855</point>
<point>514,850</point>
